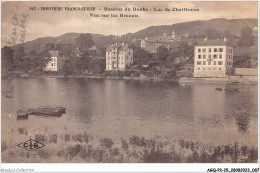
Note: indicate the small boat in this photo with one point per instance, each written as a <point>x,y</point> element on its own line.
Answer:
<point>218,89</point>
<point>48,110</point>
<point>58,108</point>
<point>21,114</point>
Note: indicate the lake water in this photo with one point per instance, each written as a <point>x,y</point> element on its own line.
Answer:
<point>122,108</point>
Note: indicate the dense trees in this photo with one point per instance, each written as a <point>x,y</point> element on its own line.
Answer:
<point>141,57</point>
<point>7,58</point>
<point>162,54</point>
<point>84,41</point>
<point>247,38</point>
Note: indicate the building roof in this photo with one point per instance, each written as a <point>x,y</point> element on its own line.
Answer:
<point>119,46</point>
<point>158,41</point>
<point>93,48</point>
<point>54,53</point>
<point>212,43</point>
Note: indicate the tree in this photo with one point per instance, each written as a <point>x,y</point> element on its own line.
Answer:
<point>7,58</point>
<point>140,56</point>
<point>162,54</point>
<point>65,49</point>
<point>49,46</point>
<point>247,38</point>
<point>84,41</point>
<point>44,56</point>
<point>33,53</point>
<point>213,34</point>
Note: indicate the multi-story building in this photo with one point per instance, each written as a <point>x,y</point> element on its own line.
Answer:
<point>213,58</point>
<point>151,45</point>
<point>56,61</point>
<point>119,57</point>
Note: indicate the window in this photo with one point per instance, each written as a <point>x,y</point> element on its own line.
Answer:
<point>227,63</point>
<point>215,50</point>
<point>209,56</point>
<point>231,57</point>
<point>220,56</point>
<point>209,49</point>
<point>199,56</point>
<point>204,50</point>
<point>230,50</point>
<point>208,68</point>
<point>51,64</point>
<point>215,56</point>
<point>215,62</point>
<point>220,49</point>
<point>219,68</point>
<point>203,68</point>
<point>209,62</point>
<point>198,68</point>
<point>220,62</point>
<point>199,50</point>
<point>204,56</point>
<point>204,62</point>
<point>198,62</point>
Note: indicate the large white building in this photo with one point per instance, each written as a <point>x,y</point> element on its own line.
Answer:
<point>213,58</point>
<point>56,61</point>
<point>119,57</point>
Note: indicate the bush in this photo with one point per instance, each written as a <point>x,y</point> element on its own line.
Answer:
<point>40,138</point>
<point>106,142</point>
<point>3,146</point>
<point>54,138</point>
<point>124,144</point>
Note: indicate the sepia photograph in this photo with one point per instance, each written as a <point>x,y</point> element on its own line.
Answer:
<point>129,82</point>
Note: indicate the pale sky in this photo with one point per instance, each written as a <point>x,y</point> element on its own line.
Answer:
<point>54,23</point>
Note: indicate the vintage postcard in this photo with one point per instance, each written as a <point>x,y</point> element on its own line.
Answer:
<point>129,82</point>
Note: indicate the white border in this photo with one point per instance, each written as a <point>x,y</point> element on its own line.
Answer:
<point>128,167</point>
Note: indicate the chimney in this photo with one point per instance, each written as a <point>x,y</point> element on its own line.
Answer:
<point>206,38</point>
<point>225,39</point>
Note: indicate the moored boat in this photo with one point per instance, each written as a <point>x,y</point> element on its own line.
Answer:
<point>21,114</point>
<point>48,110</point>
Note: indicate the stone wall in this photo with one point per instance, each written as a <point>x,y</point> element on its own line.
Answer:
<point>246,71</point>
<point>240,79</point>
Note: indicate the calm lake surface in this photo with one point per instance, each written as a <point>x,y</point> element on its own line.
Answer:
<point>121,108</point>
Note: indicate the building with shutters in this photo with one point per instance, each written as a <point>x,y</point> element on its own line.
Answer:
<point>213,58</point>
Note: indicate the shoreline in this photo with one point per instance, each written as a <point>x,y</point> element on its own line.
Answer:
<point>180,80</point>
<point>100,77</point>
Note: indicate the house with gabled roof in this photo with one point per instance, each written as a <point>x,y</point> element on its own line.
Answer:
<point>119,56</point>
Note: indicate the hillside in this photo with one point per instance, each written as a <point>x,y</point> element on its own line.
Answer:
<point>101,41</point>
<point>234,26</point>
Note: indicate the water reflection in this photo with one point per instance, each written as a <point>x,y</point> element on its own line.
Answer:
<point>120,108</point>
